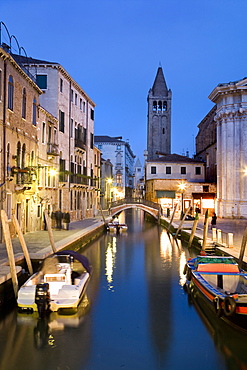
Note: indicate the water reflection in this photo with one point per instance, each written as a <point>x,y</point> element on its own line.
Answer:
<point>136,315</point>
<point>111,251</point>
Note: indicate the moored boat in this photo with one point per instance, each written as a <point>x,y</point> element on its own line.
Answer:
<point>116,227</point>
<point>59,284</point>
<point>222,285</point>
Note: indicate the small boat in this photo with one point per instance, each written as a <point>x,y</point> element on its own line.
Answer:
<point>116,227</point>
<point>221,284</point>
<point>59,284</point>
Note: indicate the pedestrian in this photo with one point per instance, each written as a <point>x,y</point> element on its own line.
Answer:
<point>213,221</point>
<point>59,216</point>
<point>66,220</point>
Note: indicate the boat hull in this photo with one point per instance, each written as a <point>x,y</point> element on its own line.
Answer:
<point>225,293</point>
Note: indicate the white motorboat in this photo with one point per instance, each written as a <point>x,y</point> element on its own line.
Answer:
<point>59,284</point>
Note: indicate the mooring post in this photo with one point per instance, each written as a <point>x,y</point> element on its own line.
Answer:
<point>10,252</point>
<point>48,224</point>
<point>182,221</point>
<point>173,214</point>
<point>23,243</point>
<point>193,231</point>
<point>242,249</point>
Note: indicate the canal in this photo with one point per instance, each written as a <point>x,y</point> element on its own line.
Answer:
<point>136,315</point>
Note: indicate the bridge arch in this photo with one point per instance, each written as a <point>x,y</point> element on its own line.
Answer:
<point>153,209</point>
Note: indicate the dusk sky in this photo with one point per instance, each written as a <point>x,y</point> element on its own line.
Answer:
<point>113,49</point>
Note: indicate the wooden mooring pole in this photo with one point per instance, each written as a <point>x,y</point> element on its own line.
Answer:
<point>173,214</point>
<point>10,252</point>
<point>242,249</point>
<point>193,231</point>
<point>23,243</point>
<point>48,224</point>
<point>182,221</point>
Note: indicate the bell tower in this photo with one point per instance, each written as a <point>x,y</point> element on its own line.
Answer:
<point>159,117</point>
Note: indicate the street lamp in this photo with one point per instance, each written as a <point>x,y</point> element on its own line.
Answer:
<point>182,187</point>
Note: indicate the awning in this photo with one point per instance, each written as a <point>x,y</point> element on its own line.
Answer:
<point>165,194</point>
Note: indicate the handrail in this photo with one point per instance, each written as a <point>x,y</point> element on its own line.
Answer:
<point>145,202</point>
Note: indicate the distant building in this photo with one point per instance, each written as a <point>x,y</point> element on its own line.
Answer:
<point>122,159</point>
<point>106,183</point>
<point>138,180</point>
<point>159,117</point>
<point>178,180</point>
<point>206,145</point>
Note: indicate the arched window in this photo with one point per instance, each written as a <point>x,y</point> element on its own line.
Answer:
<point>23,156</point>
<point>24,103</point>
<point>159,106</point>
<point>18,153</point>
<point>164,106</point>
<point>154,106</point>
<point>34,112</point>
<point>11,93</point>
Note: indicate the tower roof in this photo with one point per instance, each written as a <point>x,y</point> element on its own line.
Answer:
<point>159,87</point>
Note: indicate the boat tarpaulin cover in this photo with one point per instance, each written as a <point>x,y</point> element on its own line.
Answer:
<point>79,257</point>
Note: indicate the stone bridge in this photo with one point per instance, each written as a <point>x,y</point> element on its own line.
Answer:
<point>152,208</point>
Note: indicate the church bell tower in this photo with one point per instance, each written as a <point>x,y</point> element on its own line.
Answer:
<point>159,117</point>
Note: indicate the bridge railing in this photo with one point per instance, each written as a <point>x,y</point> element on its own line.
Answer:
<point>145,202</point>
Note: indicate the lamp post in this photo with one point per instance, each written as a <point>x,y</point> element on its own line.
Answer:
<point>182,187</point>
<point>109,195</point>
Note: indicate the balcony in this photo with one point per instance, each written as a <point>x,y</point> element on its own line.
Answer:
<point>79,144</point>
<point>52,149</point>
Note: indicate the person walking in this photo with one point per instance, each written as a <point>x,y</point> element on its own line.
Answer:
<point>66,220</point>
<point>213,221</point>
<point>59,216</point>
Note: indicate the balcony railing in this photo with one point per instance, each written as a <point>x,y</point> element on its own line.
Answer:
<point>80,144</point>
<point>52,149</point>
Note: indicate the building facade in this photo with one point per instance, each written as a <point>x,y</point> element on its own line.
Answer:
<point>175,180</point>
<point>159,117</point>
<point>231,126</point>
<point>74,110</point>
<point>122,158</point>
<point>28,147</point>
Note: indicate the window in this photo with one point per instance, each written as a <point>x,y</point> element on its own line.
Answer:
<point>11,93</point>
<point>41,81</point>
<point>24,103</point>
<point>183,170</point>
<point>43,133</point>
<point>168,170</point>
<point>100,146</point>
<point>118,147</point>
<point>92,114</point>
<point>91,140</point>
<point>34,112</point>
<point>154,106</point>
<point>71,95</point>
<point>61,121</point>
<point>61,85</point>
<point>80,103</point>
<point>160,106</point>
<point>76,99</point>
<point>164,106</point>
<point>198,170</point>
<point>84,107</point>
<point>153,170</point>
<point>71,127</point>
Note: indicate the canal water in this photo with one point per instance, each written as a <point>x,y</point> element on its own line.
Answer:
<point>136,315</point>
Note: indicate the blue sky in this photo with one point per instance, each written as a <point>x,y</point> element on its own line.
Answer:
<point>113,49</point>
